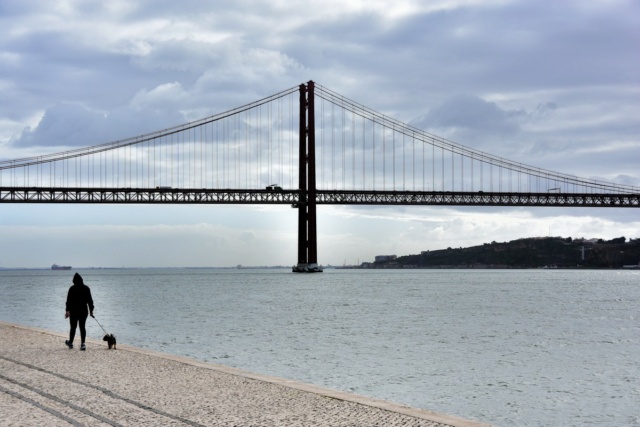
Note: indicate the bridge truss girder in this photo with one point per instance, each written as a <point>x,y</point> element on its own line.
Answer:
<point>460,198</point>
<point>296,198</point>
<point>146,196</point>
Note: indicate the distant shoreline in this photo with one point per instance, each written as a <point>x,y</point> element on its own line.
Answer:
<point>329,267</point>
<point>149,268</point>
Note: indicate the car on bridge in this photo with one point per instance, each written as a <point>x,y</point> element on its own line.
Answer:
<point>274,187</point>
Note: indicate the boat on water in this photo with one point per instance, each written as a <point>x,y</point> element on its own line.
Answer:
<point>60,267</point>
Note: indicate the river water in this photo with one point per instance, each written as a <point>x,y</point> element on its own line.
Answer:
<point>506,347</point>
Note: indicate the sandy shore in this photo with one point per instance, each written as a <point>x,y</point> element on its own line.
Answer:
<point>42,382</point>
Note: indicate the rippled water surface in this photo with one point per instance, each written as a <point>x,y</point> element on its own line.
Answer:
<point>507,347</point>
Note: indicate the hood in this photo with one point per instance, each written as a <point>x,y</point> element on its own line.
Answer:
<point>77,279</point>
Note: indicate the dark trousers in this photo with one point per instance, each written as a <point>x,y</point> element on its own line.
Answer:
<point>76,319</point>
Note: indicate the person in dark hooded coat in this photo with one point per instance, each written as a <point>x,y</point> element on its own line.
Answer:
<point>79,306</point>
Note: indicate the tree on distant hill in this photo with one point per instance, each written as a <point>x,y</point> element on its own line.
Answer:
<point>617,240</point>
<point>528,253</point>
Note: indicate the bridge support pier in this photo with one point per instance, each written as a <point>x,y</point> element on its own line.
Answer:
<point>307,233</point>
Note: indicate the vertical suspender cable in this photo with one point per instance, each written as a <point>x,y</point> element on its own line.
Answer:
<point>324,143</point>
<point>259,137</point>
<point>373,125</point>
<point>443,189</point>
<point>364,157</point>
<point>174,162</point>
<point>291,128</point>
<point>393,157</point>
<point>270,158</point>
<point>217,146</point>
<point>353,149</point>
<point>238,153</point>
<point>227,155</point>
<point>461,172</point>
<point>404,153</point>
<point>322,146</point>
<point>491,165</point>
<point>413,160</point>
<point>453,186</point>
<point>343,148</point>
<point>235,162</point>
<point>247,165</point>
<point>472,177</point>
<point>384,157</point>
<point>258,160</point>
<point>282,146</point>
<point>333,147</point>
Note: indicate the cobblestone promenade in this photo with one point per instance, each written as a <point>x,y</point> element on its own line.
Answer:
<point>42,382</point>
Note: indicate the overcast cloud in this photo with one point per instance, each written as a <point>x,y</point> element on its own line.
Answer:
<point>550,84</point>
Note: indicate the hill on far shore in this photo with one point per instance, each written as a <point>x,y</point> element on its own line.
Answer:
<point>536,252</point>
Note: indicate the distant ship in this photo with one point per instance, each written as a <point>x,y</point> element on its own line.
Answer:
<point>60,267</point>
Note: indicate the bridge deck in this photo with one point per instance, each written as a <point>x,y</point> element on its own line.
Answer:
<point>323,197</point>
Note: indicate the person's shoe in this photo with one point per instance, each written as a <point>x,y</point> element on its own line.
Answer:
<point>69,343</point>
<point>83,347</point>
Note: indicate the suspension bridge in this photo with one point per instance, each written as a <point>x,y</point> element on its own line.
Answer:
<point>304,146</point>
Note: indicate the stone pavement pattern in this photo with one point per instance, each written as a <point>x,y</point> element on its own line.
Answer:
<point>42,382</point>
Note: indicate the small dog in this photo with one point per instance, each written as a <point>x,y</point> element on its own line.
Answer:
<point>111,340</point>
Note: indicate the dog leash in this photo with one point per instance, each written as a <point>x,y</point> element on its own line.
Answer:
<point>100,326</point>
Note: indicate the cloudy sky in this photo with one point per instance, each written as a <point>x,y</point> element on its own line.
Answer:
<point>550,84</point>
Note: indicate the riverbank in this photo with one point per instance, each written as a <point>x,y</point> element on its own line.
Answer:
<point>44,383</point>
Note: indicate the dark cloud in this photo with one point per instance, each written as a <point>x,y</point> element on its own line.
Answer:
<point>14,9</point>
<point>480,124</point>
<point>520,46</point>
<point>471,112</point>
<point>75,125</point>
